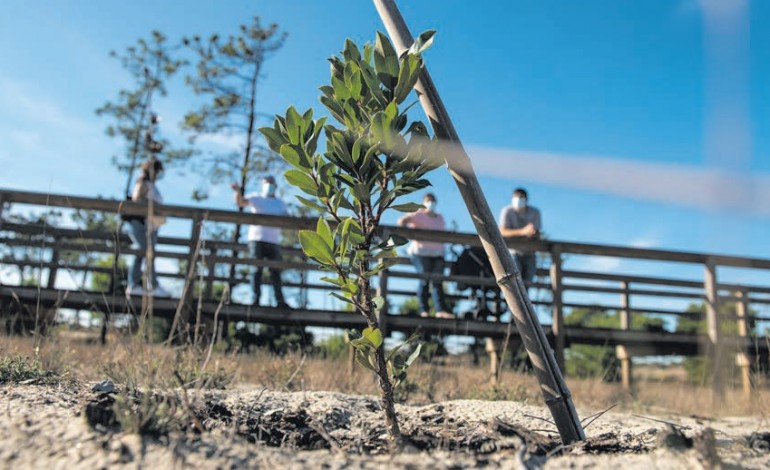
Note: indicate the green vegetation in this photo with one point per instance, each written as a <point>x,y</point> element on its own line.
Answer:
<point>20,369</point>
<point>698,368</point>
<point>150,64</point>
<point>227,75</point>
<point>376,158</point>
<point>586,361</point>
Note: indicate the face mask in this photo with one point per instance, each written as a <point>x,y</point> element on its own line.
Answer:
<point>430,205</point>
<point>268,190</point>
<point>519,203</point>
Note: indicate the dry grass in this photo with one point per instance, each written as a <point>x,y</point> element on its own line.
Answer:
<point>131,363</point>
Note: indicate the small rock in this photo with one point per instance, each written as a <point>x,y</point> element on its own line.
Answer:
<point>673,438</point>
<point>105,386</point>
<point>759,441</point>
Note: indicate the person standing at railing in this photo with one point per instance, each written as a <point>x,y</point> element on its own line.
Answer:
<point>522,220</point>
<point>428,257</point>
<point>264,242</point>
<point>140,228</point>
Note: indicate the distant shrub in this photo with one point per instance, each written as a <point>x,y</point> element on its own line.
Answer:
<point>19,369</point>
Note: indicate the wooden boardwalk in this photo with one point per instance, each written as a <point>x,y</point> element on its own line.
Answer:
<point>50,251</point>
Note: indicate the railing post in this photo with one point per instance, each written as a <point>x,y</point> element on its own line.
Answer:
<point>382,291</point>
<point>742,356</point>
<point>557,322</point>
<point>53,269</point>
<point>185,306</point>
<point>494,360</point>
<point>211,266</point>
<point>621,351</point>
<point>713,327</point>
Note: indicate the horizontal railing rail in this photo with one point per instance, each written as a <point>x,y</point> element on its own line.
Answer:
<point>557,287</point>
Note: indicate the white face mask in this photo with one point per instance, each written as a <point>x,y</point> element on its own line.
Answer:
<point>519,203</point>
<point>268,190</point>
<point>430,205</point>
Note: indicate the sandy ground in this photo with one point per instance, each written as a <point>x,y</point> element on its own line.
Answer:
<point>47,427</point>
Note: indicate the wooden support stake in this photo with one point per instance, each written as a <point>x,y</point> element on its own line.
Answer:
<point>713,325</point>
<point>555,392</point>
<point>557,322</point>
<point>742,356</point>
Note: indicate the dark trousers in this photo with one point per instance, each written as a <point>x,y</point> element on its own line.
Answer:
<point>137,231</point>
<point>526,262</point>
<point>430,265</point>
<point>268,251</point>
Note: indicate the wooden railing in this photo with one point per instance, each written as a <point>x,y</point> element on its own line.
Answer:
<point>205,256</point>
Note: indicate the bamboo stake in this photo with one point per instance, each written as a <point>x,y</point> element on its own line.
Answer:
<point>555,391</point>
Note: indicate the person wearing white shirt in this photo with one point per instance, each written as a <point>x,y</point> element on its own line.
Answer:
<point>264,241</point>
<point>145,190</point>
<point>522,220</point>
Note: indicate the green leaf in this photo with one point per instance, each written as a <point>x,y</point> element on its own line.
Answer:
<point>273,138</point>
<point>385,61</point>
<point>341,91</point>
<point>342,298</point>
<point>293,125</point>
<point>312,144</point>
<point>315,247</point>
<point>310,204</point>
<point>379,302</point>
<point>413,356</point>
<point>381,129</point>
<point>407,77</point>
<point>351,230</point>
<point>391,110</point>
<point>393,241</point>
<point>295,156</point>
<point>363,359</point>
<point>361,192</point>
<point>352,334</point>
<point>323,229</point>
<point>423,41</point>
<point>408,207</point>
<point>334,107</point>
<point>373,335</point>
<point>350,287</point>
<point>351,51</point>
<point>302,180</point>
<point>369,77</point>
<point>337,281</point>
<point>353,80</point>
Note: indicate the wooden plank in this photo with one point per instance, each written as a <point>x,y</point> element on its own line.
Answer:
<point>742,356</point>
<point>621,350</point>
<point>296,223</point>
<point>654,343</point>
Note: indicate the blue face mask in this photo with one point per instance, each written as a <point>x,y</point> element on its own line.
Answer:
<point>268,190</point>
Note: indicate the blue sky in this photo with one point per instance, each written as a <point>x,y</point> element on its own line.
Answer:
<point>638,123</point>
